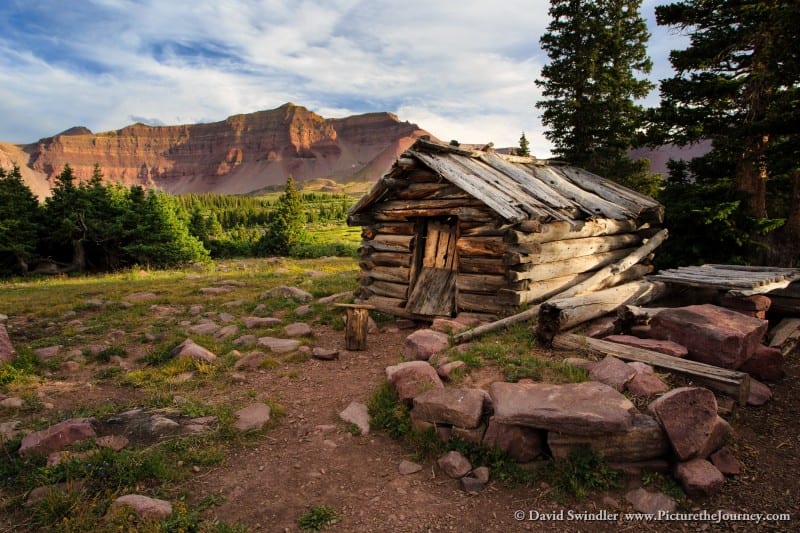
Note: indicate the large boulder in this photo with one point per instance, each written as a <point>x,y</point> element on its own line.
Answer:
<point>412,378</point>
<point>458,407</point>
<point>712,334</point>
<point>522,443</point>
<point>576,408</point>
<point>424,343</point>
<point>644,440</point>
<point>57,437</point>
<point>689,418</point>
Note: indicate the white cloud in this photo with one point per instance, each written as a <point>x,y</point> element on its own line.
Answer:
<point>462,70</point>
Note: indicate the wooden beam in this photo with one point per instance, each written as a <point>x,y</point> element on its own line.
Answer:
<point>735,384</point>
<point>574,229</point>
<point>481,283</point>
<point>480,246</point>
<point>549,252</point>
<point>575,265</point>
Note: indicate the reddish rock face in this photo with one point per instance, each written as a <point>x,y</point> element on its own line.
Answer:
<point>612,372</point>
<point>56,437</point>
<point>423,344</point>
<point>237,155</point>
<point>689,418</point>
<point>712,334</point>
<point>699,478</point>
<point>412,378</point>
<point>459,407</point>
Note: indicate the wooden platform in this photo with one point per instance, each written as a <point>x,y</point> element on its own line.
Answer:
<point>744,279</point>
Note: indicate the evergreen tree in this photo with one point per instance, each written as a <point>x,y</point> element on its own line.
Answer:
<point>524,148</point>
<point>286,227</point>
<point>20,216</point>
<point>65,221</point>
<point>738,85</point>
<point>596,47</point>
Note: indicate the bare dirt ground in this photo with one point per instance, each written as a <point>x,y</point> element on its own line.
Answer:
<point>310,458</point>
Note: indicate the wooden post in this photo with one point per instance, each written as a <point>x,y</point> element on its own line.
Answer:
<point>355,337</point>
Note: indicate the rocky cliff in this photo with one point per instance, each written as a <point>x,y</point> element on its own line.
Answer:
<point>240,154</point>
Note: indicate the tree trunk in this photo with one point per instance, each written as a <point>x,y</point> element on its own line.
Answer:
<point>78,256</point>
<point>751,175</point>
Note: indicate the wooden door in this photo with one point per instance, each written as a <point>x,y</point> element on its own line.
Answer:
<point>434,291</point>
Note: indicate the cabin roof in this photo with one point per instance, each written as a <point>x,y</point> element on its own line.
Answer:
<point>520,188</point>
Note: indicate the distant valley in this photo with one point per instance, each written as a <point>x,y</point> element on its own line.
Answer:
<point>239,155</point>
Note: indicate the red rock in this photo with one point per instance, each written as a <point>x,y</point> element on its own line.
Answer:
<point>298,329</point>
<point>641,331</point>
<point>666,347</point>
<point>712,334</point>
<point>447,325</point>
<point>726,462</point>
<point>324,354</point>
<point>576,408</point>
<point>689,417</point>
<point>424,343</point>
<point>254,416</point>
<point>641,368</point>
<point>459,407</point>
<point>699,478</point>
<point>766,364</point>
<point>601,327</point>
<point>454,464</point>
<point>612,372</point>
<point>412,378</point>
<point>646,385</point>
<point>143,506</point>
<point>645,440</point>
<point>524,444</point>
<point>755,306</point>
<point>7,352</point>
<point>191,350</point>
<point>446,370</point>
<point>469,434</point>
<point>57,437</point>
<point>759,393</point>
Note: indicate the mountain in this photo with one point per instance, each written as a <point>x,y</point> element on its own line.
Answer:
<point>240,154</point>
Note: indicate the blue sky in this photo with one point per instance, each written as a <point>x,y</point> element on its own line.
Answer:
<point>460,69</point>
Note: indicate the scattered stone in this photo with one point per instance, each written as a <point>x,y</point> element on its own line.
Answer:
<point>458,407</point>
<point>424,343</point>
<point>288,292</point>
<point>712,334</point>
<point>303,310</point>
<point>7,351</point>
<point>641,368</point>
<point>412,378</point>
<point>70,367</point>
<point>469,434</point>
<point>612,372</point>
<point>524,444</point>
<point>448,325</point>
<point>447,370</point>
<point>8,430</point>
<point>57,437</point>
<point>646,385</point>
<point>324,354</point>
<point>191,350</point>
<point>95,302</point>
<point>246,340</point>
<point>357,413</point>
<point>238,377</point>
<point>141,296</point>
<point>726,462</point>
<point>230,283</point>
<point>276,345</point>
<point>195,310</point>
<point>48,352</point>
<point>648,502</point>
<point>207,328</point>
<point>579,362</point>
<point>601,327</point>
<point>699,478</point>
<point>252,417</point>
<point>689,418</point>
<point>226,318</point>
<point>454,464</point>
<point>252,360</point>
<point>766,363</point>
<point>4,318</point>
<point>217,290</point>
<point>227,331</point>
<point>298,329</point>
<point>585,408</point>
<point>472,485</point>
<point>160,425</point>
<point>482,473</point>
<point>40,493</point>
<point>335,297</point>
<point>759,393</point>
<point>407,468</point>
<point>114,442</point>
<point>661,346</point>
<point>143,506</point>
<point>12,403</point>
<point>234,303</point>
<point>645,440</point>
<point>251,322</point>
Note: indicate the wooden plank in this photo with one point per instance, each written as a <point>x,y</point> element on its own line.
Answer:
<point>735,384</point>
<point>483,230</point>
<point>392,290</point>
<point>785,305</point>
<point>499,201</point>
<point>575,229</point>
<point>481,265</point>
<point>538,291</point>
<point>418,191</point>
<point>427,204</point>
<point>481,246</point>
<point>587,202</point>
<point>575,265</point>
<point>481,303</point>
<point>479,214</point>
<point>390,243</point>
<point>385,259</point>
<point>433,292</point>
<point>609,190</point>
<point>561,250</point>
<point>388,228</point>
<point>562,314</point>
<point>394,274</point>
<point>481,283</point>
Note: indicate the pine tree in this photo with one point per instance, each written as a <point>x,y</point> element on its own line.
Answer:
<point>738,85</point>
<point>524,148</point>
<point>20,217</point>
<point>286,227</point>
<point>596,47</point>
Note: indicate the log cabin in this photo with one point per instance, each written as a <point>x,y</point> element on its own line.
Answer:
<point>449,230</point>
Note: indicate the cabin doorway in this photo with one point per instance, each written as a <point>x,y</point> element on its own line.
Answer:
<point>433,292</point>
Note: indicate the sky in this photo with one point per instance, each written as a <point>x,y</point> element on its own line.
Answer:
<point>462,70</point>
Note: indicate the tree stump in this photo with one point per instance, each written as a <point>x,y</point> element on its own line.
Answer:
<point>355,338</point>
